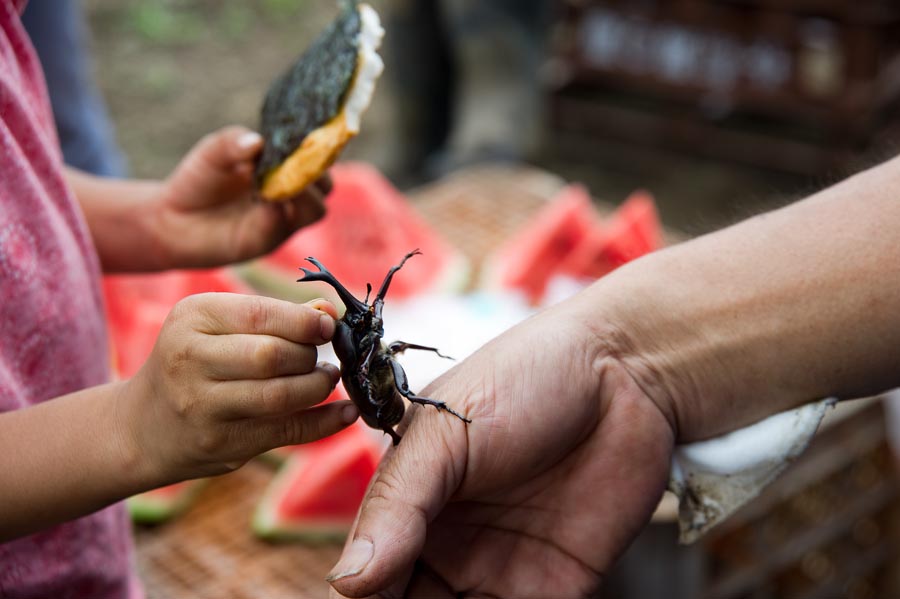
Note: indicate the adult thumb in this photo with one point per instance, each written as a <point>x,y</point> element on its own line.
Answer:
<point>413,483</point>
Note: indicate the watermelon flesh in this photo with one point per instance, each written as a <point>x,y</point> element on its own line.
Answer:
<point>163,504</point>
<point>529,259</point>
<point>278,456</point>
<point>568,238</point>
<point>137,306</point>
<point>632,231</point>
<point>368,227</point>
<point>315,496</point>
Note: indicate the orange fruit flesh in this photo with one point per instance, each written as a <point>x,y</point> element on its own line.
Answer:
<point>316,153</point>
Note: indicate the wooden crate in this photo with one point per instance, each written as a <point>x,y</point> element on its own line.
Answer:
<point>828,527</point>
<point>797,85</point>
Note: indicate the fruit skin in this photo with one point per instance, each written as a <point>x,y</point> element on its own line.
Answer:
<point>315,496</point>
<point>316,153</point>
<point>311,92</point>
<point>314,109</point>
<point>164,504</point>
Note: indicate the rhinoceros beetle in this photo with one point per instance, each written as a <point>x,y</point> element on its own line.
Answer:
<point>373,379</point>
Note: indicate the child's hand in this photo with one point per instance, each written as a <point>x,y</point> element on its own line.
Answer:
<point>208,212</point>
<point>231,377</point>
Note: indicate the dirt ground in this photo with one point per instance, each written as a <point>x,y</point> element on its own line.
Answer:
<point>173,70</point>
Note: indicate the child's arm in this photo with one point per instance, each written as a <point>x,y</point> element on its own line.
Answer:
<point>204,214</point>
<point>230,377</point>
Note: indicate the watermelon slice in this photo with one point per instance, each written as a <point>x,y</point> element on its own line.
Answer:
<point>315,496</point>
<point>137,306</point>
<point>631,232</point>
<point>568,238</point>
<point>529,259</point>
<point>368,228</point>
<point>278,456</point>
<point>163,504</point>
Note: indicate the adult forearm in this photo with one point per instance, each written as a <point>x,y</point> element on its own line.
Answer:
<point>122,221</point>
<point>64,459</point>
<point>790,306</point>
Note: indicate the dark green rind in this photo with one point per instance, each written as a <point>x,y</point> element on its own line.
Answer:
<point>266,526</point>
<point>151,510</point>
<point>311,92</point>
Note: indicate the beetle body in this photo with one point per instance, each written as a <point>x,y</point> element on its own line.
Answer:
<point>372,377</point>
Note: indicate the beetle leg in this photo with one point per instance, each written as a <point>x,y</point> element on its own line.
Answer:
<point>387,279</point>
<point>402,384</point>
<point>350,302</point>
<point>395,437</point>
<point>398,347</point>
<point>366,364</point>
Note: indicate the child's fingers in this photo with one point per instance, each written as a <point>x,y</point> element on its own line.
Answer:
<point>228,147</point>
<point>276,397</point>
<point>236,357</point>
<point>307,426</point>
<point>229,313</point>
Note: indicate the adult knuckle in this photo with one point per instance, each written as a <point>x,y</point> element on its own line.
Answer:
<point>180,360</point>
<point>209,443</point>
<point>257,314</point>
<point>267,355</point>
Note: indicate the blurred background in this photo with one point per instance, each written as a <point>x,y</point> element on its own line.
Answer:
<point>721,108</point>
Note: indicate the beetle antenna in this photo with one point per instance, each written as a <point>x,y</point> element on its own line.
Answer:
<point>368,291</point>
<point>390,275</point>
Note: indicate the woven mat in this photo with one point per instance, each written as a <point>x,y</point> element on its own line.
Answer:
<point>210,552</point>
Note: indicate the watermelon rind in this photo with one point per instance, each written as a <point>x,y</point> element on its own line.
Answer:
<point>150,508</point>
<point>312,470</point>
<point>267,526</point>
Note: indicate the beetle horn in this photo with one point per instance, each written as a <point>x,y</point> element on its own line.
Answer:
<point>350,301</point>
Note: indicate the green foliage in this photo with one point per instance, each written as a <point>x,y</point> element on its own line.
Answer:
<point>282,8</point>
<point>162,23</point>
<point>236,19</point>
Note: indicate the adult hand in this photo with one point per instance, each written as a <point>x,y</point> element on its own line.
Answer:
<point>563,463</point>
<point>208,211</point>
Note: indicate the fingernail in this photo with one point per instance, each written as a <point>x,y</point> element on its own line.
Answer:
<point>249,140</point>
<point>333,371</point>
<point>349,414</point>
<point>354,560</point>
<point>326,324</point>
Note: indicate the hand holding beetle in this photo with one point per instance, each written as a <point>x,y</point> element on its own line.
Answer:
<point>536,497</point>
<point>230,377</point>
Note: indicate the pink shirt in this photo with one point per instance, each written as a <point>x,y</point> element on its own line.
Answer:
<point>52,333</point>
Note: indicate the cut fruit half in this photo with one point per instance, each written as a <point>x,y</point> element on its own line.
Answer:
<point>314,109</point>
